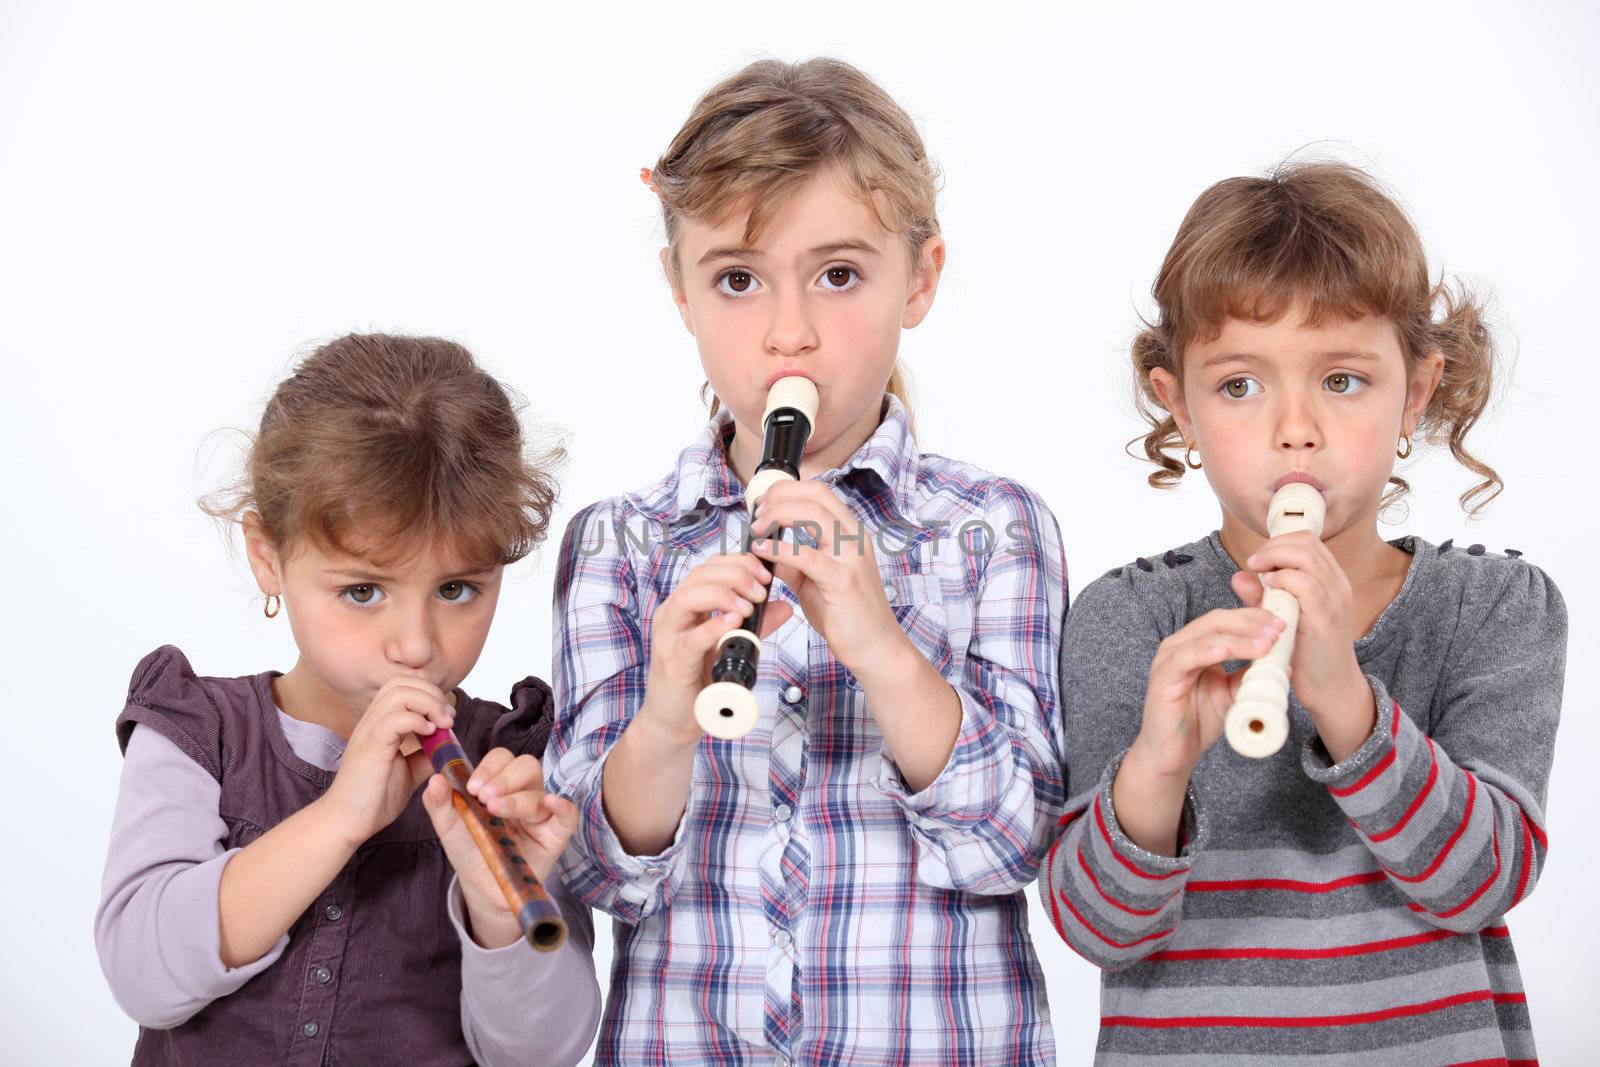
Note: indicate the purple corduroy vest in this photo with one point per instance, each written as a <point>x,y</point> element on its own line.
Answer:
<point>372,971</point>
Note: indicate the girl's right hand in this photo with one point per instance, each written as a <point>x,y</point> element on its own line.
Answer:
<point>1189,693</point>
<point>684,633</point>
<point>374,780</point>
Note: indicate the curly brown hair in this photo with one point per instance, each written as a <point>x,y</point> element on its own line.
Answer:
<point>381,445</point>
<point>1325,235</point>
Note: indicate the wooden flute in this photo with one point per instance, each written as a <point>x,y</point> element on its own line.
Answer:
<point>727,707</point>
<point>1257,724</point>
<point>537,915</point>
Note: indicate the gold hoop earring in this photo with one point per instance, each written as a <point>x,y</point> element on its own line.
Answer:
<point>1406,439</point>
<point>271,606</point>
<point>1189,460</point>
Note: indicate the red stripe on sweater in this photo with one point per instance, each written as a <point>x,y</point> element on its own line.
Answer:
<point>1337,951</point>
<point>1113,901</point>
<point>1378,768</point>
<point>1050,886</point>
<point>1114,944</point>
<point>1427,787</point>
<point>1287,884</point>
<point>1527,862</point>
<point>1476,893</point>
<point>1366,779</point>
<point>1402,1011</point>
<point>1438,861</point>
<point>1100,821</point>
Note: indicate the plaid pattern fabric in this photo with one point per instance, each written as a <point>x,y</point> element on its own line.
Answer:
<point>810,908</point>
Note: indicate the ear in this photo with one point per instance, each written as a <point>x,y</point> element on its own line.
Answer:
<point>263,556</point>
<point>1170,393</point>
<point>1425,377</point>
<point>679,298</point>
<point>924,282</point>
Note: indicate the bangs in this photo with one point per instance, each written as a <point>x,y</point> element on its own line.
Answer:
<point>763,190</point>
<point>392,539</point>
<point>395,504</point>
<point>1252,249</point>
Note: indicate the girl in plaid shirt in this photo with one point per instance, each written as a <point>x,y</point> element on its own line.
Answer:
<point>844,884</point>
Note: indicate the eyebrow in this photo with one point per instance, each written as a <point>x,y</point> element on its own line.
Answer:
<point>1359,355</point>
<point>358,576</point>
<point>1229,357</point>
<point>1352,355</point>
<point>371,576</point>
<point>830,249</point>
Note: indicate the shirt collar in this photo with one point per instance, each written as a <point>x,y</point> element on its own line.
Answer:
<point>890,454</point>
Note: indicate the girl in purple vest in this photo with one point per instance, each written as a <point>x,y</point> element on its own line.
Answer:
<point>277,887</point>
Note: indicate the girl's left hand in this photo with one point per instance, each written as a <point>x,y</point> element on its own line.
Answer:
<point>836,582</point>
<point>1327,677</point>
<point>511,788</point>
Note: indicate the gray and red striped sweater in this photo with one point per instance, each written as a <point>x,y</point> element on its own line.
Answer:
<point>1320,914</point>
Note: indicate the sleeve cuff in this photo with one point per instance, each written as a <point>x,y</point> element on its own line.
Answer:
<point>507,970</point>
<point>638,876</point>
<point>191,903</point>
<point>514,999</point>
<point>1193,828</point>
<point>968,781</point>
<point>1374,750</point>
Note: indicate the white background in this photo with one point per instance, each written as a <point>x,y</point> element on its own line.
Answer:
<point>190,195</point>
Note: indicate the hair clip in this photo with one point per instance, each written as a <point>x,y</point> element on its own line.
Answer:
<point>644,176</point>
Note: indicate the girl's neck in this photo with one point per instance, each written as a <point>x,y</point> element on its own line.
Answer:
<point>301,695</point>
<point>744,451</point>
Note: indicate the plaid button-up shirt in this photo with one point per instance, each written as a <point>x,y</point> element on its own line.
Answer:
<point>810,908</point>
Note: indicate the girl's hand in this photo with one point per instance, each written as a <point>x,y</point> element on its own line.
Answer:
<point>374,780</point>
<point>511,788</point>
<point>712,599</point>
<point>1189,693</point>
<point>836,582</point>
<point>1327,677</point>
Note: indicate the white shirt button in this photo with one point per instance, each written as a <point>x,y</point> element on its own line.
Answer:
<point>782,939</point>
<point>888,591</point>
<point>783,812</point>
<point>793,695</point>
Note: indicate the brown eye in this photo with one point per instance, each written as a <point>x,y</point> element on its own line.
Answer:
<point>1238,388</point>
<point>738,281</point>
<point>1339,383</point>
<point>454,591</point>
<point>362,594</point>
<point>839,277</point>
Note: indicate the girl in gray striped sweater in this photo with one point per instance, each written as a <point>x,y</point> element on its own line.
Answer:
<point>1343,901</point>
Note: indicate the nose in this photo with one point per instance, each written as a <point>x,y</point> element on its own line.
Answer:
<point>1297,429</point>
<point>791,331</point>
<point>411,644</point>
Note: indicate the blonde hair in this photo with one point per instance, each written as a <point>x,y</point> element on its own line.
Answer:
<point>1325,235</point>
<point>758,136</point>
